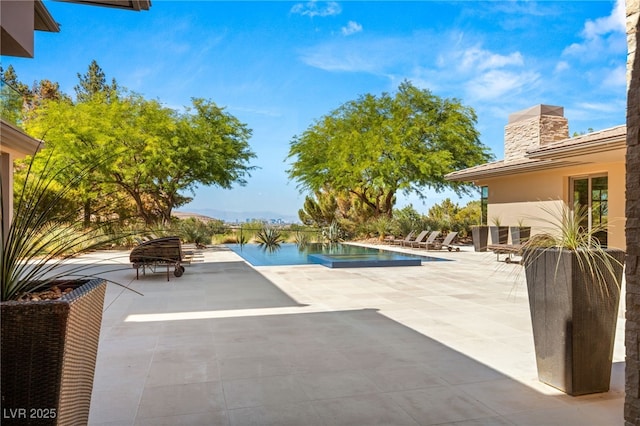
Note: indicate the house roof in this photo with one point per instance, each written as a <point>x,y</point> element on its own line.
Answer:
<point>136,5</point>
<point>567,152</point>
<point>16,142</point>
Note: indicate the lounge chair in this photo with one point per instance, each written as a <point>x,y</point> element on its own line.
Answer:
<point>406,239</point>
<point>426,242</point>
<point>421,236</point>
<point>437,245</point>
<point>160,251</point>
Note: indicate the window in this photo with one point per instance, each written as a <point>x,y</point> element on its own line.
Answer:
<point>484,202</point>
<point>593,192</point>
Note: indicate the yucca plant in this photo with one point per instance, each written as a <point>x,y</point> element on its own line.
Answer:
<point>332,232</point>
<point>301,238</point>
<point>49,343</point>
<point>574,285</point>
<point>566,230</point>
<point>42,236</point>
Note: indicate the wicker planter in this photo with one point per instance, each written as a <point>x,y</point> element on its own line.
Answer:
<point>480,236</point>
<point>48,356</point>
<point>573,319</point>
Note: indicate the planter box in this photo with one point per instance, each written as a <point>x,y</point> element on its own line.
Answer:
<point>48,356</point>
<point>520,234</point>
<point>573,319</point>
<point>480,236</point>
<point>499,234</point>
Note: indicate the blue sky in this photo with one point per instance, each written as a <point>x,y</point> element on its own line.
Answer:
<point>280,65</point>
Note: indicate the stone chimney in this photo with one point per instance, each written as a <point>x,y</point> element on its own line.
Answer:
<point>532,128</point>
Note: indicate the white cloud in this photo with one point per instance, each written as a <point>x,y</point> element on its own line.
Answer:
<point>615,22</point>
<point>315,8</point>
<point>497,84</point>
<point>616,77</point>
<point>477,59</point>
<point>351,28</point>
<point>561,66</point>
<point>602,35</point>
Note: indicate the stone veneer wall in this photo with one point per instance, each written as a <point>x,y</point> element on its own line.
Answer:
<point>530,133</point>
<point>632,334</point>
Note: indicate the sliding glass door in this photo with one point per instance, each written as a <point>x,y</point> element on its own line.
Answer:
<point>593,192</point>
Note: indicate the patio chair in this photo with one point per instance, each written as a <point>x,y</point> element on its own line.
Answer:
<point>160,251</point>
<point>437,245</point>
<point>406,239</point>
<point>421,236</point>
<point>430,240</point>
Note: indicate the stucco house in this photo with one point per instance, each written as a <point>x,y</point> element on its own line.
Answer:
<point>544,169</point>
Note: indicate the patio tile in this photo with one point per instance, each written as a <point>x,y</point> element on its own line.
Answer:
<point>445,343</point>
<point>177,366</point>
<point>370,410</point>
<point>439,405</point>
<point>298,414</point>
<point>399,378</point>
<point>334,385</point>
<point>192,398</point>
<point>115,407</point>
<point>260,391</point>
<point>252,366</point>
<point>508,397</point>
<point>218,418</point>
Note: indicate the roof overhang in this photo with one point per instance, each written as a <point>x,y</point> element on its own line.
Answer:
<point>609,140</point>
<point>136,5</point>
<point>607,145</point>
<point>17,143</point>
<point>42,19</point>
<point>500,168</point>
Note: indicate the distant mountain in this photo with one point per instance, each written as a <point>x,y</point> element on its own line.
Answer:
<point>233,217</point>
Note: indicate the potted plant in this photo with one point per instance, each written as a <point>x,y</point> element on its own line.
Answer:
<point>51,310</point>
<point>574,292</point>
<point>499,233</point>
<point>480,236</point>
<point>520,233</point>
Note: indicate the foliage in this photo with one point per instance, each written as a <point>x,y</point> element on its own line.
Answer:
<point>301,238</point>
<point>407,219</point>
<point>163,153</point>
<point>192,230</point>
<point>375,146</point>
<point>269,236</point>
<point>332,233</point>
<point>42,236</point>
<point>94,83</point>
<point>566,231</point>
<point>321,211</point>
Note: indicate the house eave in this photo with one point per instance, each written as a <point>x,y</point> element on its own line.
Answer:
<point>16,142</point>
<point>507,169</point>
<point>136,5</point>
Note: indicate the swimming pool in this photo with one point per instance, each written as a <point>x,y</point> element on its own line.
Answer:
<point>330,255</point>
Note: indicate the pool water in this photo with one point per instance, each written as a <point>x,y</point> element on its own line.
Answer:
<point>291,254</point>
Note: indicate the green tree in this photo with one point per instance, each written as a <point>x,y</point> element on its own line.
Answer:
<point>375,146</point>
<point>320,211</point>
<point>151,153</point>
<point>14,95</point>
<point>93,83</point>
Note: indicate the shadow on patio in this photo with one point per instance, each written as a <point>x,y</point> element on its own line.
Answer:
<point>224,345</point>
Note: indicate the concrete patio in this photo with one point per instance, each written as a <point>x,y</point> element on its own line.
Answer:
<point>229,344</point>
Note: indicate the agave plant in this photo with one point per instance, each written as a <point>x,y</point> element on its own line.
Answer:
<point>269,237</point>
<point>42,236</point>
